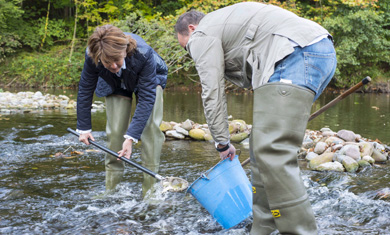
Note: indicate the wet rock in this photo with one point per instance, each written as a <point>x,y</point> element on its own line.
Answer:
<point>363,163</point>
<point>237,138</point>
<point>346,135</point>
<point>330,166</point>
<point>337,157</point>
<point>320,147</point>
<point>323,158</point>
<point>350,164</point>
<point>336,147</point>
<point>208,137</point>
<point>352,151</point>
<point>174,134</point>
<point>378,156</point>
<point>368,159</point>
<point>333,140</point>
<point>181,130</point>
<point>187,124</point>
<point>197,134</point>
<point>311,155</point>
<point>165,126</point>
<point>366,149</point>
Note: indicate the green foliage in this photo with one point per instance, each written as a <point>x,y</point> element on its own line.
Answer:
<point>49,69</point>
<point>362,44</point>
<point>9,41</point>
<point>160,36</point>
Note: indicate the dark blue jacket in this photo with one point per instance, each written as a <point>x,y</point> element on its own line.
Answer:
<point>145,69</point>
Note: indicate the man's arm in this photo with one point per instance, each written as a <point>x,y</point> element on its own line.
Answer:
<point>207,52</point>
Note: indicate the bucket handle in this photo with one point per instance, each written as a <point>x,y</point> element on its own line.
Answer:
<point>205,174</point>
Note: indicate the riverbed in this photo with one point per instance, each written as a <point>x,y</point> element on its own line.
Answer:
<point>43,194</point>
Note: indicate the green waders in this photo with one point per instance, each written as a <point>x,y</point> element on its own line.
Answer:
<point>118,109</point>
<point>152,139</point>
<point>280,200</point>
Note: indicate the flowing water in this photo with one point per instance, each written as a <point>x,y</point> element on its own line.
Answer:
<point>44,194</point>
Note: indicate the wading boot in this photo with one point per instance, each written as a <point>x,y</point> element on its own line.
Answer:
<point>263,222</point>
<point>118,109</point>
<point>280,114</point>
<point>152,140</point>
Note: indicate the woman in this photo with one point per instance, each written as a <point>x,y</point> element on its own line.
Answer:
<point>118,65</point>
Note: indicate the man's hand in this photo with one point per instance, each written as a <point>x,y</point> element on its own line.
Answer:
<point>127,148</point>
<point>84,138</point>
<point>229,153</point>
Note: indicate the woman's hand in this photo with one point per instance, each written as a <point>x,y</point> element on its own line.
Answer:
<point>84,138</point>
<point>127,148</point>
<point>229,153</point>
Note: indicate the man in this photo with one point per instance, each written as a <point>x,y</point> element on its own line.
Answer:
<point>288,61</point>
<point>117,65</point>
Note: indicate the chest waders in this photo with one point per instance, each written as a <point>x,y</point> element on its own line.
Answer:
<point>280,200</point>
<point>118,109</point>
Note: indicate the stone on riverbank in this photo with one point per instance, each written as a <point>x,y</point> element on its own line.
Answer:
<point>350,149</point>
<point>197,134</point>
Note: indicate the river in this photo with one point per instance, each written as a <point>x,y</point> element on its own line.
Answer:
<point>42,194</point>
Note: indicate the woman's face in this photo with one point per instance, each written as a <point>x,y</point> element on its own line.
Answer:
<point>114,66</point>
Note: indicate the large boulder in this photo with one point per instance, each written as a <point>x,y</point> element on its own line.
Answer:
<point>197,134</point>
<point>350,164</point>
<point>346,135</point>
<point>330,166</point>
<point>237,138</point>
<point>165,126</point>
<point>323,158</point>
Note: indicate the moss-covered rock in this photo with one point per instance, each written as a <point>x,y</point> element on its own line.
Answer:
<point>197,134</point>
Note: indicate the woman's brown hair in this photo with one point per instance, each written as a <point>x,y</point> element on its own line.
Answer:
<point>109,44</point>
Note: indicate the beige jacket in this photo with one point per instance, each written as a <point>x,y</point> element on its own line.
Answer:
<point>242,43</point>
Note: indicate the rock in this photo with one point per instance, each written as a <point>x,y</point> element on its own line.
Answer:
<point>352,151</point>
<point>330,166</point>
<point>237,138</point>
<point>311,155</point>
<point>334,140</point>
<point>165,126</point>
<point>241,125</point>
<point>337,147</point>
<point>233,128</point>
<point>324,129</point>
<point>378,156</point>
<point>320,147</point>
<point>308,143</point>
<point>323,158</point>
<point>187,124</point>
<point>366,149</point>
<point>346,135</point>
<point>368,159</point>
<point>197,134</point>
<point>181,130</point>
<point>174,134</point>
<point>208,137</point>
<point>350,164</point>
<point>328,133</point>
<point>363,163</point>
<point>338,157</point>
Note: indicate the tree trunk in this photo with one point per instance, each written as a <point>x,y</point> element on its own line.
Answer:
<point>74,31</point>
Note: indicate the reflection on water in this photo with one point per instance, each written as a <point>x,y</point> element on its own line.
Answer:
<point>42,194</point>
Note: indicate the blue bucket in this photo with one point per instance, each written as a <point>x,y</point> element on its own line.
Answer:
<point>225,192</point>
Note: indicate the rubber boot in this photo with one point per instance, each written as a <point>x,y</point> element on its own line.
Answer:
<point>280,113</point>
<point>152,140</point>
<point>118,110</point>
<point>263,222</point>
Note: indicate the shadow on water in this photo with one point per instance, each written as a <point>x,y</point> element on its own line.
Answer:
<point>42,194</point>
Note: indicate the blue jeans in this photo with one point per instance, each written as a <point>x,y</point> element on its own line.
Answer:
<point>312,66</point>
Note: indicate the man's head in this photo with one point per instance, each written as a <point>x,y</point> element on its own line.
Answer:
<point>186,24</point>
<point>109,45</point>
